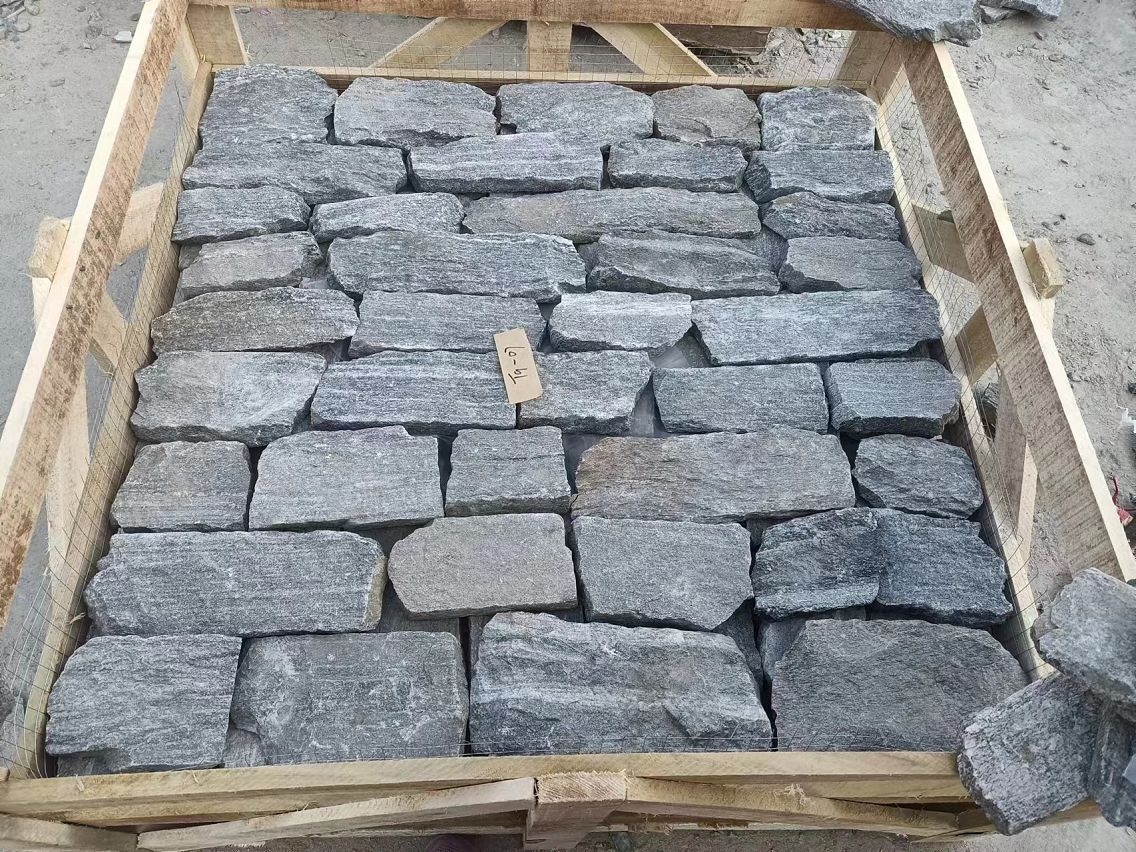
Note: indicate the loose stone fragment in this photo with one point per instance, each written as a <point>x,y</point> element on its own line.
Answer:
<point>741,399</point>
<point>603,319</point>
<point>397,620</point>
<point>909,396</point>
<point>590,392</point>
<point>428,321</point>
<point>251,397</point>
<point>489,563</point>
<point>582,215</point>
<point>356,479</point>
<point>185,487</point>
<point>1108,782</point>
<point>715,478</point>
<point>267,103</point>
<point>661,574</point>
<point>427,391</point>
<point>1028,757</point>
<point>994,14</point>
<point>776,636</point>
<point>423,212</point>
<point>522,162</point>
<point>409,113</point>
<point>254,263</point>
<point>133,704</point>
<point>657,162</point>
<point>916,475</point>
<point>533,266</point>
<point>829,117</point>
<point>495,472</point>
<point>707,116</point>
<point>838,175</point>
<point>816,326</point>
<point>318,173</point>
<point>601,113</point>
<point>278,318</point>
<point>546,686</point>
<point>887,685</point>
<point>357,696</point>
<point>925,20</point>
<point>237,583</point>
<point>740,627</point>
<point>210,215</point>
<point>803,214</point>
<point>658,262</point>
<point>1048,9</point>
<point>478,623</point>
<point>843,263</point>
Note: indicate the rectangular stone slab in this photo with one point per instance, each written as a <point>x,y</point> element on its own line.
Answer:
<point>828,117</point>
<point>838,175</point>
<point>948,20</point>
<point>844,263</point>
<point>213,214</point>
<point>424,212</point>
<point>605,319</point>
<point>237,583</point>
<point>601,113</point>
<point>657,162</point>
<point>910,396</point>
<point>254,263</point>
<point>356,479</point>
<point>408,113</point>
<point>497,471</point>
<point>916,475</point>
<point>774,473</point>
<point>803,214</point>
<point>590,392</point>
<point>267,103</point>
<point>704,115</point>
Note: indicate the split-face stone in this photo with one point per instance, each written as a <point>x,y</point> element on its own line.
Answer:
<point>860,176</point>
<point>605,319</point>
<point>213,214</point>
<point>254,263</point>
<point>938,20</point>
<point>1050,10</point>
<point>701,115</point>
<point>601,113</point>
<point>776,636</point>
<point>907,396</point>
<point>589,392</point>
<point>1108,781</point>
<point>410,113</point>
<point>916,475</point>
<point>805,214</point>
<point>657,162</point>
<point>497,471</point>
<point>844,263</point>
<point>267,103</point>
<point>423,212</point>
<point>396,619</point>
<point>829,117</point>
<point>477,623</point>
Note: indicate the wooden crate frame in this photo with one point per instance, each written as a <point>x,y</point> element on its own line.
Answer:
<point>46,458</point>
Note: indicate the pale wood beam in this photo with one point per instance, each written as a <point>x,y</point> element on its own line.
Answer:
<point>438,42</point>
<point>652,49</point>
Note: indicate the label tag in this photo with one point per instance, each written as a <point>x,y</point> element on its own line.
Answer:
<point>517,365</point>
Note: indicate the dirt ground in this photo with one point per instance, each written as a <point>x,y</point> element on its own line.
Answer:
<point>1056,104</point>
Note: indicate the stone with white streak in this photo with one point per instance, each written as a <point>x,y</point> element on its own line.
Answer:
<point>521,162</point>
<point>590,392</point>
<point>425,212</point>
<point>501,471</point>
<point>916,475</point>
<point>601,113</point>
<point>812,117</point>
<point>657,162</point>
<point>701,115</point>
<point>409,113</point>
<point>860,176</point>
<point>267,103</point>
<point>923,20</point>
<point>844,263</point>
<point>214,214</point>
<point>805,214</point>
<point>254,263</point>
<point>908,396</point>
<point>604,319</point>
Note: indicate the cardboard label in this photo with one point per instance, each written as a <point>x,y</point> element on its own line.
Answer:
<point>517,365</point>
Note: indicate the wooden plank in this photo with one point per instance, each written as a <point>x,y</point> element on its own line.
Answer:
<point>20,834</point>
<point>216,34</point>
<point>942,241</point>
<point>139,222</point>
<point>652,49</point>
<point>438,42</point>
<point>1044,267</point>
<point>864,57</point>
<point>186,58</point>
<point>549,46</point>
<point>570,805</point>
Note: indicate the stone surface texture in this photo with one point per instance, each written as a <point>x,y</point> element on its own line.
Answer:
<point>213,214</point>
<point>804,214</point>
<point>862,176</point>
<point>503,471</point>
<point>1108,782</point>
<point>423,212</point>
<point>807,117</point>
<point>521,162</point>
<point>396,619</point>
<point>909,396</point>
<point>916,475</point>
<point>590,392</point>
<point>658,162</point>
<point>409,113</point>
<point>925,20</point>
<point>776,636</point>
<point>253,263</point>
<point>844,263</point>
<point>600,113</point>
<point>1050,10</point>
<point>701,115</point>
<point>267,103</point>
<point>605,319</point>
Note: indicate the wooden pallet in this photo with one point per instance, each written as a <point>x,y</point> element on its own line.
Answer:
<point>47,460</point>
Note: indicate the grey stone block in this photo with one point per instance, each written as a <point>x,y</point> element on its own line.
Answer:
<point>211,215</point>
<point>657,162</point>
<point>254,263</point>
<point>183,486</point>
<point>702,115</point>
<point>844,263</point>
<point>267,103</point>
<point>495,472</point>
<point>409,113</point>
<point>546,686</point>
<point>589,392</point>
<point>661,574</point>
<point>396,619</point>
<point>423,212</point>
<point>427,391</point>
<point>925,20</point>
<point>887,685</point>
<point>605,319</point>
<point>134,704</point>
<point>251,397</point>
<point>829,117</point>
<point>776,636</point>
<point>909,396</point>
<point>863,176</point>
<point>741,399</point>
<point>1108,783</point>
<point>482,564</point>
<point>1050,10</point>
<point>356,696</point>
<point>714,478</point>
<point>521,162</point>
<point>478,623</point>
<point>356,479</point>
<point>805,214</point>
<point>916,475</point>
<point>816,326</point>
<point>601,113</point>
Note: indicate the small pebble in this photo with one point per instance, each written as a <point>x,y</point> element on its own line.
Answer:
<point>1087,239</point>
<point>1132,387</point>
<point>136,16</point>
<point>57,82</point>
<point>123,37</point>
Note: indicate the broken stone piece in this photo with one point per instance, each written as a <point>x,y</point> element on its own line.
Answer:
<point>923,20</point>
<point>254,263</point>
<point>1113,752</point>
<point>908,396</point>
<point>776,636</point>
<point>994,14</point>
<point>210,215</point>
<point>828,117</point>
<point>604,319</point>
<point>600,113</point>
<point>701,115</point>
<point>423,212</point>
<point>657,162</point>
<point>409,113</point>
<point>916,475</point>
<point>590,392</point>
<point>267,103</point>
<point>477,624</point>
<point>396,619</point>
<point>861,176</point>
<point>740,627</point>
<point>843,263</point>
<point>1050,10</point>
<point>804,214</point>
<point>494,472</point>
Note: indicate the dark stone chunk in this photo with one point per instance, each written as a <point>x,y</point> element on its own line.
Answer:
<point>839,175</point>
<point>604,319</point>
<point>657,162</point>
<point>803,214</point>
<point>254,263</point>
<point>211,215</point>
<point>843,263</point>
<point>590,392</point>
<point>409,113</point>
<point>776,636</point>
<point>522,162</point>
<point>500,471</point>
<point>707,116</point>
<point>909,396</point>
<point>829,117</point>
<point>924,20</point>
<point>1108,783</point>
<point>916,475</point>
<point>601,113</point>
<point>424,212</point>
<point>267,103</point>
<point>1050,10</point>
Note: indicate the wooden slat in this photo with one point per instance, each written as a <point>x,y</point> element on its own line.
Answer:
<point>569,806</point>
<point>216,34</point>
<point>942,241</point>
<point>652,49</point>
<point>20,834</point>
<point>865,56</point>
<point>438,42</point>
<point>549,46</point>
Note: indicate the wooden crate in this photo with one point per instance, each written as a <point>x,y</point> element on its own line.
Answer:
<point>996,301</point>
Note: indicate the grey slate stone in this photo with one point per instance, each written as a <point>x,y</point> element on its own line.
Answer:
<point>134,704</point>
<point>356,479</point>
<point>409,113</point>
<point>741,628</point>
<point>776,636</point>
<point>601,113</point>
<point>805,214</point>
<point>237,583</point>
<point>429,321</point>
<point>994,14</point>
<point>478,623</point>
<point>657,162</point>
<point>605,319</point>
<point>708,116</point>
<point>1028,757</point>
<point>521,162</point>
<point>356,696</point>
<point>714,478</point>
<point>887,685</point>
<point>661,574</point>
<point>486,563</point>
<point>397,620</point>
<point>182,486</point>
<point>425,391</point>
<point>909,396</point>
<point>494,471</point>
<point>1050,10</point>
<point>917,475</point>
<point>251,397</point>
<point>267,103</point>
<point>741,399</point>
<point>546,686</point>
<point>924,20</point>
<point>582,215</point>
<point>278,318</point>
<point>213,214</point>
<point>590,392</point>
<point>424,212</point>
<point>318,173</point>
<point>1113,750</point>
<point>815,326</point>
<point>254,263</point>
<point>828,117</point>
<point>844,263</point>
<point>862,176</point>
<point>532,266</point>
